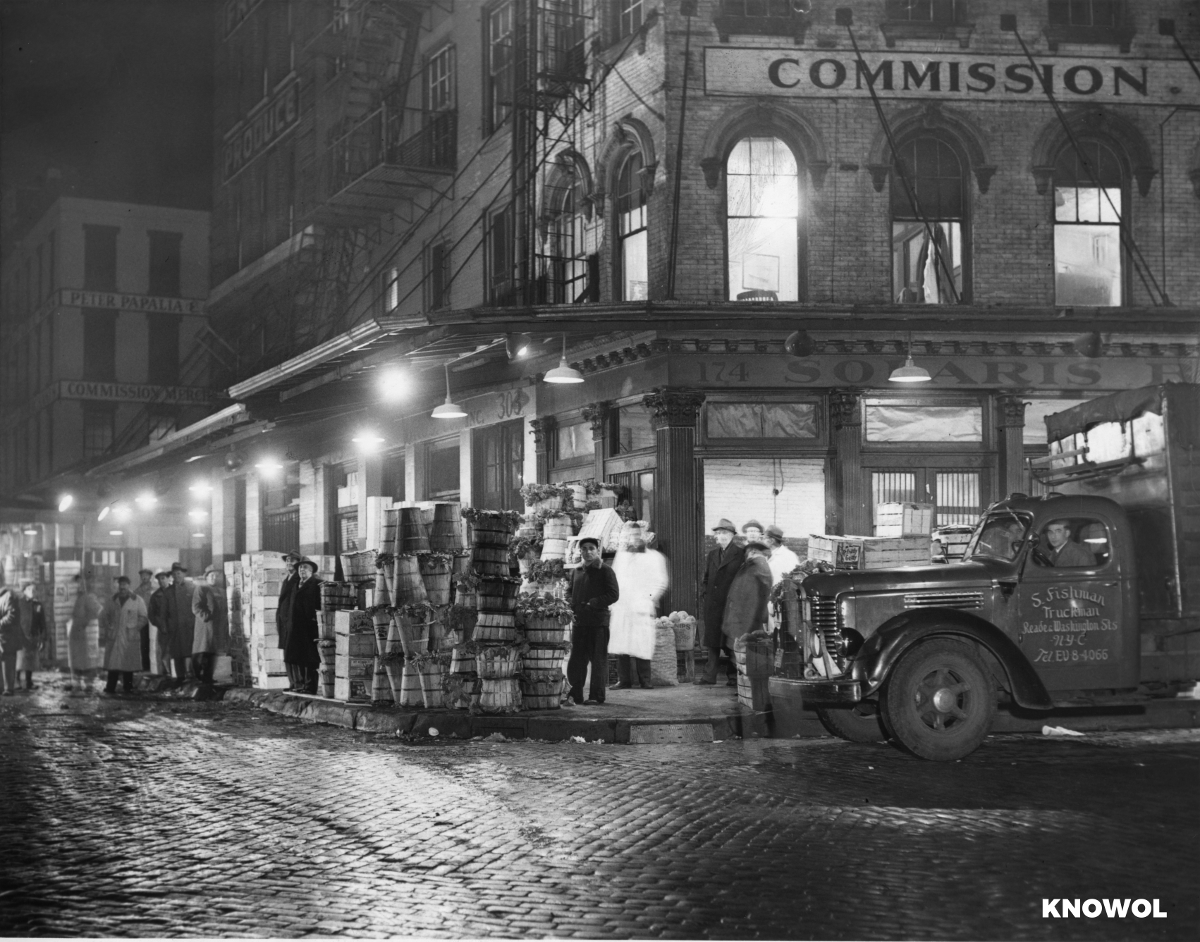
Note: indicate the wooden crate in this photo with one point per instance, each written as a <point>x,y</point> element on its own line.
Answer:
<point>869,552</point>
<point>903,518</point>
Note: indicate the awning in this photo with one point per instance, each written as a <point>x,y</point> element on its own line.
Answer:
<point>189,437</point>
<point>1119,407</point>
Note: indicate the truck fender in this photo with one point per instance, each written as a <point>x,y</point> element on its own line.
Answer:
<point>881,651</point>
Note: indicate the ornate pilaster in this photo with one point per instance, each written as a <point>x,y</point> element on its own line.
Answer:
<point>543,445</point>
<point>597,415</point>
<point>1010,440</point>
<point>854,507</point>
<point>676,482</point>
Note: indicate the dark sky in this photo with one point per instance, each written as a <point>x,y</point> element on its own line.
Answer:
<point>116,93</point>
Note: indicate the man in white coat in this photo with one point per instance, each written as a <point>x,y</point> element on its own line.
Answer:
<point>122,622</point>
<point>782,560</point>
<point>642,578</point>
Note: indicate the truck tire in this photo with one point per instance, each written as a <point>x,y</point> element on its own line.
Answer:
<point>853,724</point>
<point>939,701</point>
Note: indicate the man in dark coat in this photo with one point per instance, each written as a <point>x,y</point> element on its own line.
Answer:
<point>283,615</point>
<point>749,594</point>
<point>33,622</point>
<point>593,590</point>
<point>300,653</point>
<point>158,608</point>
<point>181,623</point>
<point>144,590</point>
<point>720,568</point>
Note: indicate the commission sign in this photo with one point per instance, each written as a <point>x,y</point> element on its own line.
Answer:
<point>823,73</point>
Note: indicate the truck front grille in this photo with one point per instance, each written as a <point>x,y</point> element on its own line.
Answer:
<point>825,620</point>
<point>962,600</point>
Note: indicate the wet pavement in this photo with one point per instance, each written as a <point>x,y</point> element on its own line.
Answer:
<point>157,817</point>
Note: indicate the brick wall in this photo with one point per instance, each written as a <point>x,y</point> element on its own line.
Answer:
<point>741,489</point>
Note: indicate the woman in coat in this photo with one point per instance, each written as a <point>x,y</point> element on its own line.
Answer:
<point>301,655</point>
<point>211,633</point>
<point>125,617</point>
<point>749,595</point>
<point>33,622</point>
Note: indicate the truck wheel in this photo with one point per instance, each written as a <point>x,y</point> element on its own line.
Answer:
<point>939,701</point>
<point>855,724</point>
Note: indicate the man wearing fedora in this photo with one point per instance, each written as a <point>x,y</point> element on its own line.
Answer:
<point>181,623</point>
<point>720,568</point>
<point>300,652</point>
<point>212,625</point>
<point>283,615</point>
<point>144,591</point>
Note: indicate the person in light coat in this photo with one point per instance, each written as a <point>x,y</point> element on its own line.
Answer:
<point>212,625</point>
<point>783,560</point>
<point>87,609</point>
<point>11,639</point>
<point>642,581</point>
<point>122,621</point>
<point>144,590</point>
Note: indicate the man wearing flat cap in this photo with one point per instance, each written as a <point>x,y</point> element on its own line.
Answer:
<point>721,566</point>
<point>783,560</point>
<point>593,590</point>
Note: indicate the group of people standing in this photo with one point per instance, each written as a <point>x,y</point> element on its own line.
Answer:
<point>22,636</point>
<point>736,591</point>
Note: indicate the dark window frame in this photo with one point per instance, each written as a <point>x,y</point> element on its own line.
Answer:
<point>1116,175</point>
<point>1064,24</point>
<point>496,111</point>
<point>99,428</point>
<point>100,254</point>
<point>165,270</point>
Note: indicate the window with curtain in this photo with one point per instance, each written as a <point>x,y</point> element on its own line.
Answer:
<point>632,246</point>
<point>567,263</point>
<point>763,220</point>
<point>928,251</point>
<point>891,422</point>
<point>739,420</point>
<point>1087,231</point>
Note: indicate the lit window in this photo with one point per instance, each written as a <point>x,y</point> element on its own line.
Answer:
<point>1087,231</point>
<point>391,290</point>
<point>630,16</point>
<point>763,219</point>
<point>631,231</point>
<point>927,224</point>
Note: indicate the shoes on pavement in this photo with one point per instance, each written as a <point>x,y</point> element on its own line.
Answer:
<point>593,702</point>
<point>621,687</point>
<point>6,693</point>
<point>645,686</point>
<point>703,682</point>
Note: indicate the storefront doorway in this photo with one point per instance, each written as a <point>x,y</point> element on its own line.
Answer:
<point>499,466</point>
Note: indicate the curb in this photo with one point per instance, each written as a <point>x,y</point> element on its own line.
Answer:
<point>365,718</point>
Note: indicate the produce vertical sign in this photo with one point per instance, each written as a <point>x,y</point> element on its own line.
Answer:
<point>263,126</point>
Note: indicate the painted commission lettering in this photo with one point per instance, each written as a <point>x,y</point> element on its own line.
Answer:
<point>262,128</point>
<point>813,74</point>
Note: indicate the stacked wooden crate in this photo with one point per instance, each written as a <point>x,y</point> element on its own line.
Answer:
<point>239,629</point>
<point>354,648</point>
<point>263,574</point>
<point>867,552</point>
<point>903,518</point>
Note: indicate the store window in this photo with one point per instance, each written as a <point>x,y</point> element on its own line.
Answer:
<point>99,344</point>
<point>345,516</point>
<point>922,11</point>
<point>633,429</point>
<point>280,509</point>
<point>100,257</point>
<point>957,494</point>
<point>499,258</point>
<point>1088,200</point>
<point>442,469</point>
<point>762,212</point>
<point>885,421</point>
<point>573,443</point>
<point>740,420</point>
<point>789,492</point>
<point>929,254</point>
<point>99,428</point>
<point>498,459</point>
<point>567,265</point>
<point>632,244</point>
<point>166,261</point>
<point>499,67</point>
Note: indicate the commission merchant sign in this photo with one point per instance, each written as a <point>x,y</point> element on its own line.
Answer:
<point>262,127</point>
<point>135,392</point>
<point>110,300</point>
<point>836,74</point>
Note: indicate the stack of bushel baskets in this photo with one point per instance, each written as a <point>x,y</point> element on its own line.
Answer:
<point>494,648</point>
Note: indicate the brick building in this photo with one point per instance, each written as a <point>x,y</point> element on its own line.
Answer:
<point>736,218</point>
<point>103,303</point>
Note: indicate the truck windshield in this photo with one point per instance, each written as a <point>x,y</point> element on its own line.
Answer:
<point>999,536</point>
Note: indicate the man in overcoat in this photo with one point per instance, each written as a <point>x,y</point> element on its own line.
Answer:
<point>721,566</point>
<point>593,590</point>
<point>300,654</point>
<point>123,619</point>
<point>283,616</point>
<point>181,622</point>
<point>144,590</point>
<point>33,622</point>
<point>158,609</point>
<point>211,635</point>
<point>749,594</point>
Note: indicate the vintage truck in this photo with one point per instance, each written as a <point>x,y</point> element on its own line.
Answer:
<point>1084,597</point>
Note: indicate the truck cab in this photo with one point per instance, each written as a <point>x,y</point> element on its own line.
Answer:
<point>1044,610</point>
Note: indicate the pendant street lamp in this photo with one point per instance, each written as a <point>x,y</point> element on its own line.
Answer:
<point>448,409</point>
<point>564,372</point>
<point>910,372</point>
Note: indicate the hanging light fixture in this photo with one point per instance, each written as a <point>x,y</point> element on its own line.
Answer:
<point>448,409</point>
<point>910,372</point>
<point>564,372</point>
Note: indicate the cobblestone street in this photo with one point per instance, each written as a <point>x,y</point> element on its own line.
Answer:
<point>171,818</point>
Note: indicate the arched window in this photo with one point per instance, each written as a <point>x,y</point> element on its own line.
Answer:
<point>762,214</point>
<point>1088,202</point>
<point>930,255</point>
<point>633,267</point>
<point>567,262</point>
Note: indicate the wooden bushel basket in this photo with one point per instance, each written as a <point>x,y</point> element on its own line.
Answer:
<point>381,688</point>
<point>328,652</point>
<point>383,592</point>
<point>558,527</point>
<point>432,694</point>
<point>381,618</point>
<point>462,662</point>
<point>497,663</point>
<point>445,535</point>
<point>542,690</point>
<point>407,585</point>
<point>359,566</point>
<point>393,666</point>
<point>412,537</point>
<point>410,688</point>
<point>543,659</point>
<point>546,631</point>
<point>499,695</point>
<point>436,575</point>
<point>497,594</point>
<point>491,560</point>
<point>389,526</point>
